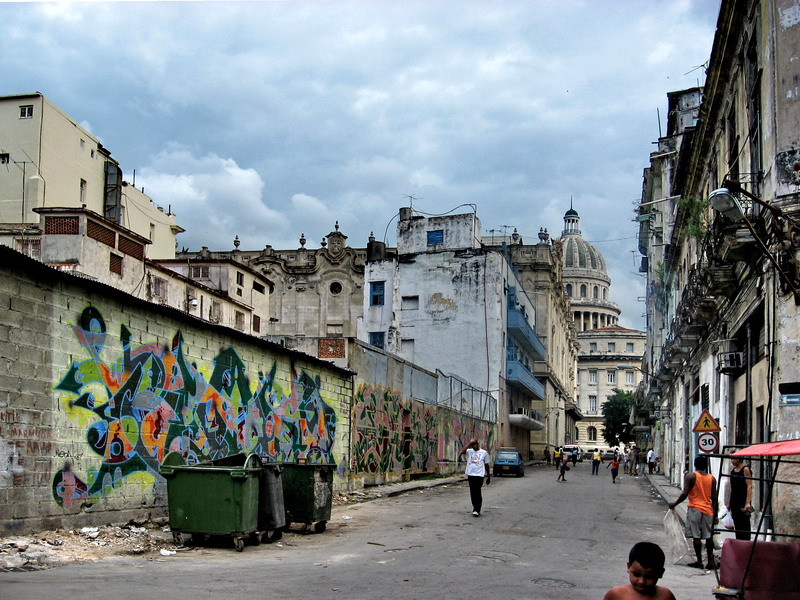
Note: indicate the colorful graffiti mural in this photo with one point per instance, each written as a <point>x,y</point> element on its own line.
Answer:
<point>152,401</point>
<point>393,436</point>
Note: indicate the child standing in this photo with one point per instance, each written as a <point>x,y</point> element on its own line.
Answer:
<point>614,465</point>
<point>645,568</point>
<point>563,468</point>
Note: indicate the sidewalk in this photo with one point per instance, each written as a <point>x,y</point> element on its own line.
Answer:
<point>668,492</point>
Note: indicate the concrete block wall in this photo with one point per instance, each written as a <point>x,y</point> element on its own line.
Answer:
<point>96,387</point>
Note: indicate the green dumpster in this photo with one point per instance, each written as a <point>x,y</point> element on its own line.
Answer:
<point>213,499</point>
<point>308,494</point>
<point>271,511</point>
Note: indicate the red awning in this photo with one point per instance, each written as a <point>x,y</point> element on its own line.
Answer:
<point>771,449</point>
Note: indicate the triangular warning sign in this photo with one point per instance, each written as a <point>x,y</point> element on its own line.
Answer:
<point>705,423</point>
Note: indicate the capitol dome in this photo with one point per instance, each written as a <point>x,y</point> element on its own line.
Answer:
<point>586,279</point>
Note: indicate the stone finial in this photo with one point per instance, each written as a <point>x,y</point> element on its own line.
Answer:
<point>302,240</point>
<point>236,242</point>
<point>371,236</point>
<point>515,237</point>
<point>324,242</point>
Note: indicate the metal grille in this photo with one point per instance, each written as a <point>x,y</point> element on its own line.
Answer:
<point>115,264</point>
<point>61,225</point>
<point>131,248</point>
<point>102,234</point>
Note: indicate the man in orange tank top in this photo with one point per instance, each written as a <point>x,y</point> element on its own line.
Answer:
<point>701,489</point>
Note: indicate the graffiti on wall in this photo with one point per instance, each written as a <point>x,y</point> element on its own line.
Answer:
<point>152,400</point>
<point>396,436</point>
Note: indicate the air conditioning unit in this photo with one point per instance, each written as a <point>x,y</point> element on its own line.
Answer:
<point>730,363</point>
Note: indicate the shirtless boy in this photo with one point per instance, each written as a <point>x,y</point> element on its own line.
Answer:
<point>645,568</point>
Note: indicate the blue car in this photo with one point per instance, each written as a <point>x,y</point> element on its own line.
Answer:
<point>507,463</point>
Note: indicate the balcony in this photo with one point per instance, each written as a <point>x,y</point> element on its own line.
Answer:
<point>523,334</point>
<point>526,419</point>
<point>518,376</point>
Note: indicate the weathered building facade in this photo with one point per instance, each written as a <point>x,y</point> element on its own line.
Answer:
<point>722,197</point>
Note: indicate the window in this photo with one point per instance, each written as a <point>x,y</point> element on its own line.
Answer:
<point>258,287</point>
<point>592,376</point>
<point>592,404</point>
<point>159,288</point>
<point>595,292</point>
<point>612,347</point>
<point>377,338</point>
<point>409,303</point>
<point>215,312</point>
<point>256,323</point>
<point>629,379</point>
<point>26,111</point>
<point>435,237</point>
<point>239,278</point>
<point>376,291</point>
<point>583,290</point>
<point>629,347</point>
<point>592,346</point>
<point>592,433</point>
<point>83,192</point>
<point>31,247</point>
<point>4,158</point>
<point>83,144</point>
<point>238,320</point>
<point>200,272</point>
<point>569,290</point>
<point>335,288</point>
<point>612,376</point>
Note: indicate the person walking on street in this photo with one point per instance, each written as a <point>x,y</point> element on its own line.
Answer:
<point>547,456</point>
<point>741,492</point>
<point>574,456</point>
<point>651,461</point>
<point>634,461</point>
<point>563,468</point>
<point>477,470</point>
<point>626,455</point>
<point>597,458</point>
<point>614,464</point>
<point>557,457</point>
<point>701,489</point>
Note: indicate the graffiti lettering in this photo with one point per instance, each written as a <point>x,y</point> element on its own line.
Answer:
<point>152,400</point>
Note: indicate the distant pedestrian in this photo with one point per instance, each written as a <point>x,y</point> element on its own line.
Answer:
<point>701,489</point>
<point>626,456</point>
<point>563,468</point>
<point>597,458</point>
<point>477,470</point>
<point>614,465</point>
<point>574,456</point>
<point>740,494</point>
<point>634,461</point>
<point>645,567</point>
<point>557,457</point>
<point>651,461</point>
<point>547,456</point>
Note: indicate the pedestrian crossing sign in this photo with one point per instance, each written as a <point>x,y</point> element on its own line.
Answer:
<point>705,423</point>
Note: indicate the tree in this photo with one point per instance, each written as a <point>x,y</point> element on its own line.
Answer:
<point>616,412</point>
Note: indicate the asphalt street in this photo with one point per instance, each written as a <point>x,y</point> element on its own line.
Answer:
<point>536,538</point>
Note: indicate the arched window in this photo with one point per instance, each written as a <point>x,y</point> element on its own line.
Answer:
<point>592,433</point>
<point>583,290</point>
<point>604,293</point>
<point>569,290</point>
<point>596,292</point>
<point>577,434</point>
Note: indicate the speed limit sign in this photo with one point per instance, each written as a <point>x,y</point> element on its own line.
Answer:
<point>708,442</point>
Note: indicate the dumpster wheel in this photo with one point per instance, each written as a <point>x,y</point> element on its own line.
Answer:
<point>238,543</point>
<point>321,526</point>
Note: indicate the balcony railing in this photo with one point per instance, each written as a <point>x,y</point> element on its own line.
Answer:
<point>524,334</point>
<point>518,375</point>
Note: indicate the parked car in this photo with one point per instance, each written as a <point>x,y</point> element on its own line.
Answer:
<point>568,452</point>
<point>507,462</point>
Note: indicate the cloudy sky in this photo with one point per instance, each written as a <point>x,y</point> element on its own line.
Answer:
<point>271,119</point>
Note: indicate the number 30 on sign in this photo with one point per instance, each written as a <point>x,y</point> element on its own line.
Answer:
<point>708,442</point>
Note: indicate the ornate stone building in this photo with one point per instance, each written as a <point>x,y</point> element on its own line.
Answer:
<point>610,356</point>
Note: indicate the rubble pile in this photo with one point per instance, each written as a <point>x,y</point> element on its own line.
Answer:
<point>50,548</point>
